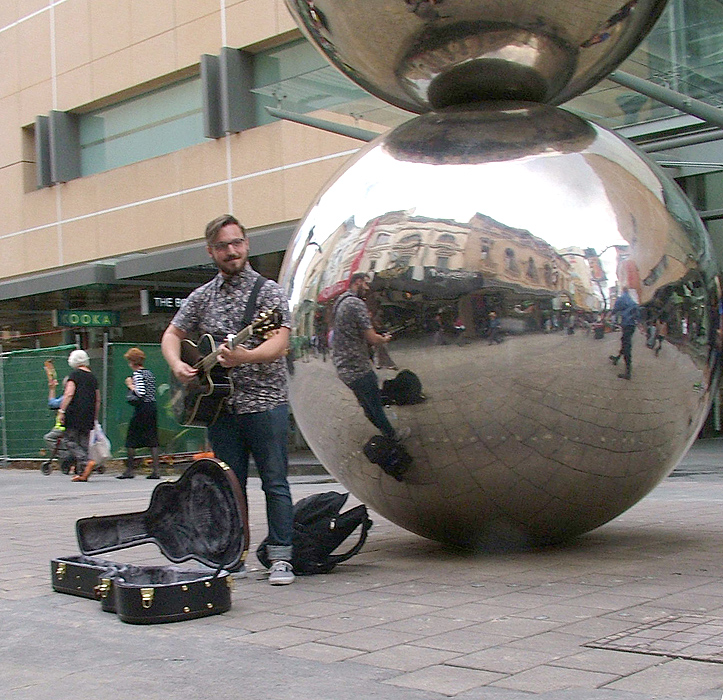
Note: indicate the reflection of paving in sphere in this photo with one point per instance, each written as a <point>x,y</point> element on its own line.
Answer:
<point>424,54</point>
<point>535,439</point>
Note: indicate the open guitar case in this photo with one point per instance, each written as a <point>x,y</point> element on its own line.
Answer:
<point>201,516</point>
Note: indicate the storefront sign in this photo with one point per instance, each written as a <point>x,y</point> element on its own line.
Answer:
<point>334,290</point>
<point>160,301</point>
<point>79,317</point>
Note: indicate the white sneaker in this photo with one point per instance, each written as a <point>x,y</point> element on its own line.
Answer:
<point>281,573</point>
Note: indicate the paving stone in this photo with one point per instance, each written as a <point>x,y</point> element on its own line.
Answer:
<point>503,659</point>
<point>437,625</point>
<point>283,637</point>
<point>446,680</point>
<point>543,679</point>
<point>675,678</point>
<point>317,651</point>
<point>406,657</point>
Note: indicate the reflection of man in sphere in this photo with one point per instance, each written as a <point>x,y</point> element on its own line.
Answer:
<point>353,335</point>
<point>626,308</point>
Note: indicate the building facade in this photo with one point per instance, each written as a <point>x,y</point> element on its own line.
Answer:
<point>127,125</point>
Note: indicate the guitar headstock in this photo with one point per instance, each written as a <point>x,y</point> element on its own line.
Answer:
<point>267,322</point>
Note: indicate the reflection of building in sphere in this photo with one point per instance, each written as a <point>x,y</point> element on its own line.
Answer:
<point>526,435</point>
<point>499,130</point>
<point>427,54</point>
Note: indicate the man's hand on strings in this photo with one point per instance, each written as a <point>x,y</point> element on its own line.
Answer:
<point>183,372</point>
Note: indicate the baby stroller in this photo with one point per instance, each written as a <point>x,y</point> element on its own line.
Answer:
<point>60,454</point>
<point>64,459</point>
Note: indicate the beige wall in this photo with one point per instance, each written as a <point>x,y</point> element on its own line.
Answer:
<point>87,53</point>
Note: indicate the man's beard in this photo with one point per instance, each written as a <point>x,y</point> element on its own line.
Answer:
<point>230,265</point>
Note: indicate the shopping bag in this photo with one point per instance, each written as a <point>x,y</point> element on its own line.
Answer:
<point>98,445</point>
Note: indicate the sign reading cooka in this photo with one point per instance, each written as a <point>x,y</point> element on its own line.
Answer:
<point>79,317</point>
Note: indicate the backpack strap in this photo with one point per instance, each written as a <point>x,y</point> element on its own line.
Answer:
<point>250,312</point>
<point>346,295</point>
<point>334,559</point>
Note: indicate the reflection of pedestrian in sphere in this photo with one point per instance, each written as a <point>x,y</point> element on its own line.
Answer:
<point>626,308</point>
<point>495,332</point>
<point>353,334</point>
<point>143,426</point>
<point>661,331</point>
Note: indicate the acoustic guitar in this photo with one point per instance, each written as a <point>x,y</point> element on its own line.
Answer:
<point>199,402</point>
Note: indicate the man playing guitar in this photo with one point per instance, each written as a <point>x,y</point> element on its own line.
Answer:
<point>254,417</point>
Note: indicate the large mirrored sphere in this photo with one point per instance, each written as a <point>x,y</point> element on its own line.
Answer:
<point>497,240</point>
<point>430,54</point>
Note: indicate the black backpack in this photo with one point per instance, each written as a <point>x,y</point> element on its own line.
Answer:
<point>319,528</point>
<point>403,389</point>
<point>389,454</point>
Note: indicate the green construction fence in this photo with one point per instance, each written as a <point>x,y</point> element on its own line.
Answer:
<point>173,438</point>
<point>25,416</point>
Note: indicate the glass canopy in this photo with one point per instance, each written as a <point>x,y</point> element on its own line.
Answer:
<point>683,52</point>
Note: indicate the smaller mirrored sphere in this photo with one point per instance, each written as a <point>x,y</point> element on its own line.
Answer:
<point>429,54</point>
<point>499,244</point>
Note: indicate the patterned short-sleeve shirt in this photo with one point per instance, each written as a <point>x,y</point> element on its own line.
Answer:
<point>217,308</point>
<point>350,349</point>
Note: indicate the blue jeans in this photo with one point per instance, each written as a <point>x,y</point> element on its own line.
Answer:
<point>366,390</point>
<point>264,435</point>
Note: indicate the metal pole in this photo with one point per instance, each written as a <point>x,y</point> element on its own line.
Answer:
<point>342,129</point>
<point>683,103</point>
<point>104,396</point>
<point>681,141</point>
<point>3,407</point>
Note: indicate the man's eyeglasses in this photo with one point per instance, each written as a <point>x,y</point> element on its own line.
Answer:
<point>234,242</point>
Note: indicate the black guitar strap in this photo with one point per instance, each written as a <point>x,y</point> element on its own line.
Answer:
<point>250,312</point>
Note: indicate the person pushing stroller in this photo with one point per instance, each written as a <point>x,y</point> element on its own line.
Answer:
<point>54,439</point>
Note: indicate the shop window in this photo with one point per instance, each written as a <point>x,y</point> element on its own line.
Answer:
<point>153,124</point>
<point>411,239</point>
<point>510,261</point>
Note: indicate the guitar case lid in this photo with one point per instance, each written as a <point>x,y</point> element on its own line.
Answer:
<point>201,516</point>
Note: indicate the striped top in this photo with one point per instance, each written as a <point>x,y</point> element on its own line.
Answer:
<point>145,385</point>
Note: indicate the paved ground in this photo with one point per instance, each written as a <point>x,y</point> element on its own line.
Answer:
<point>631,611</point>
